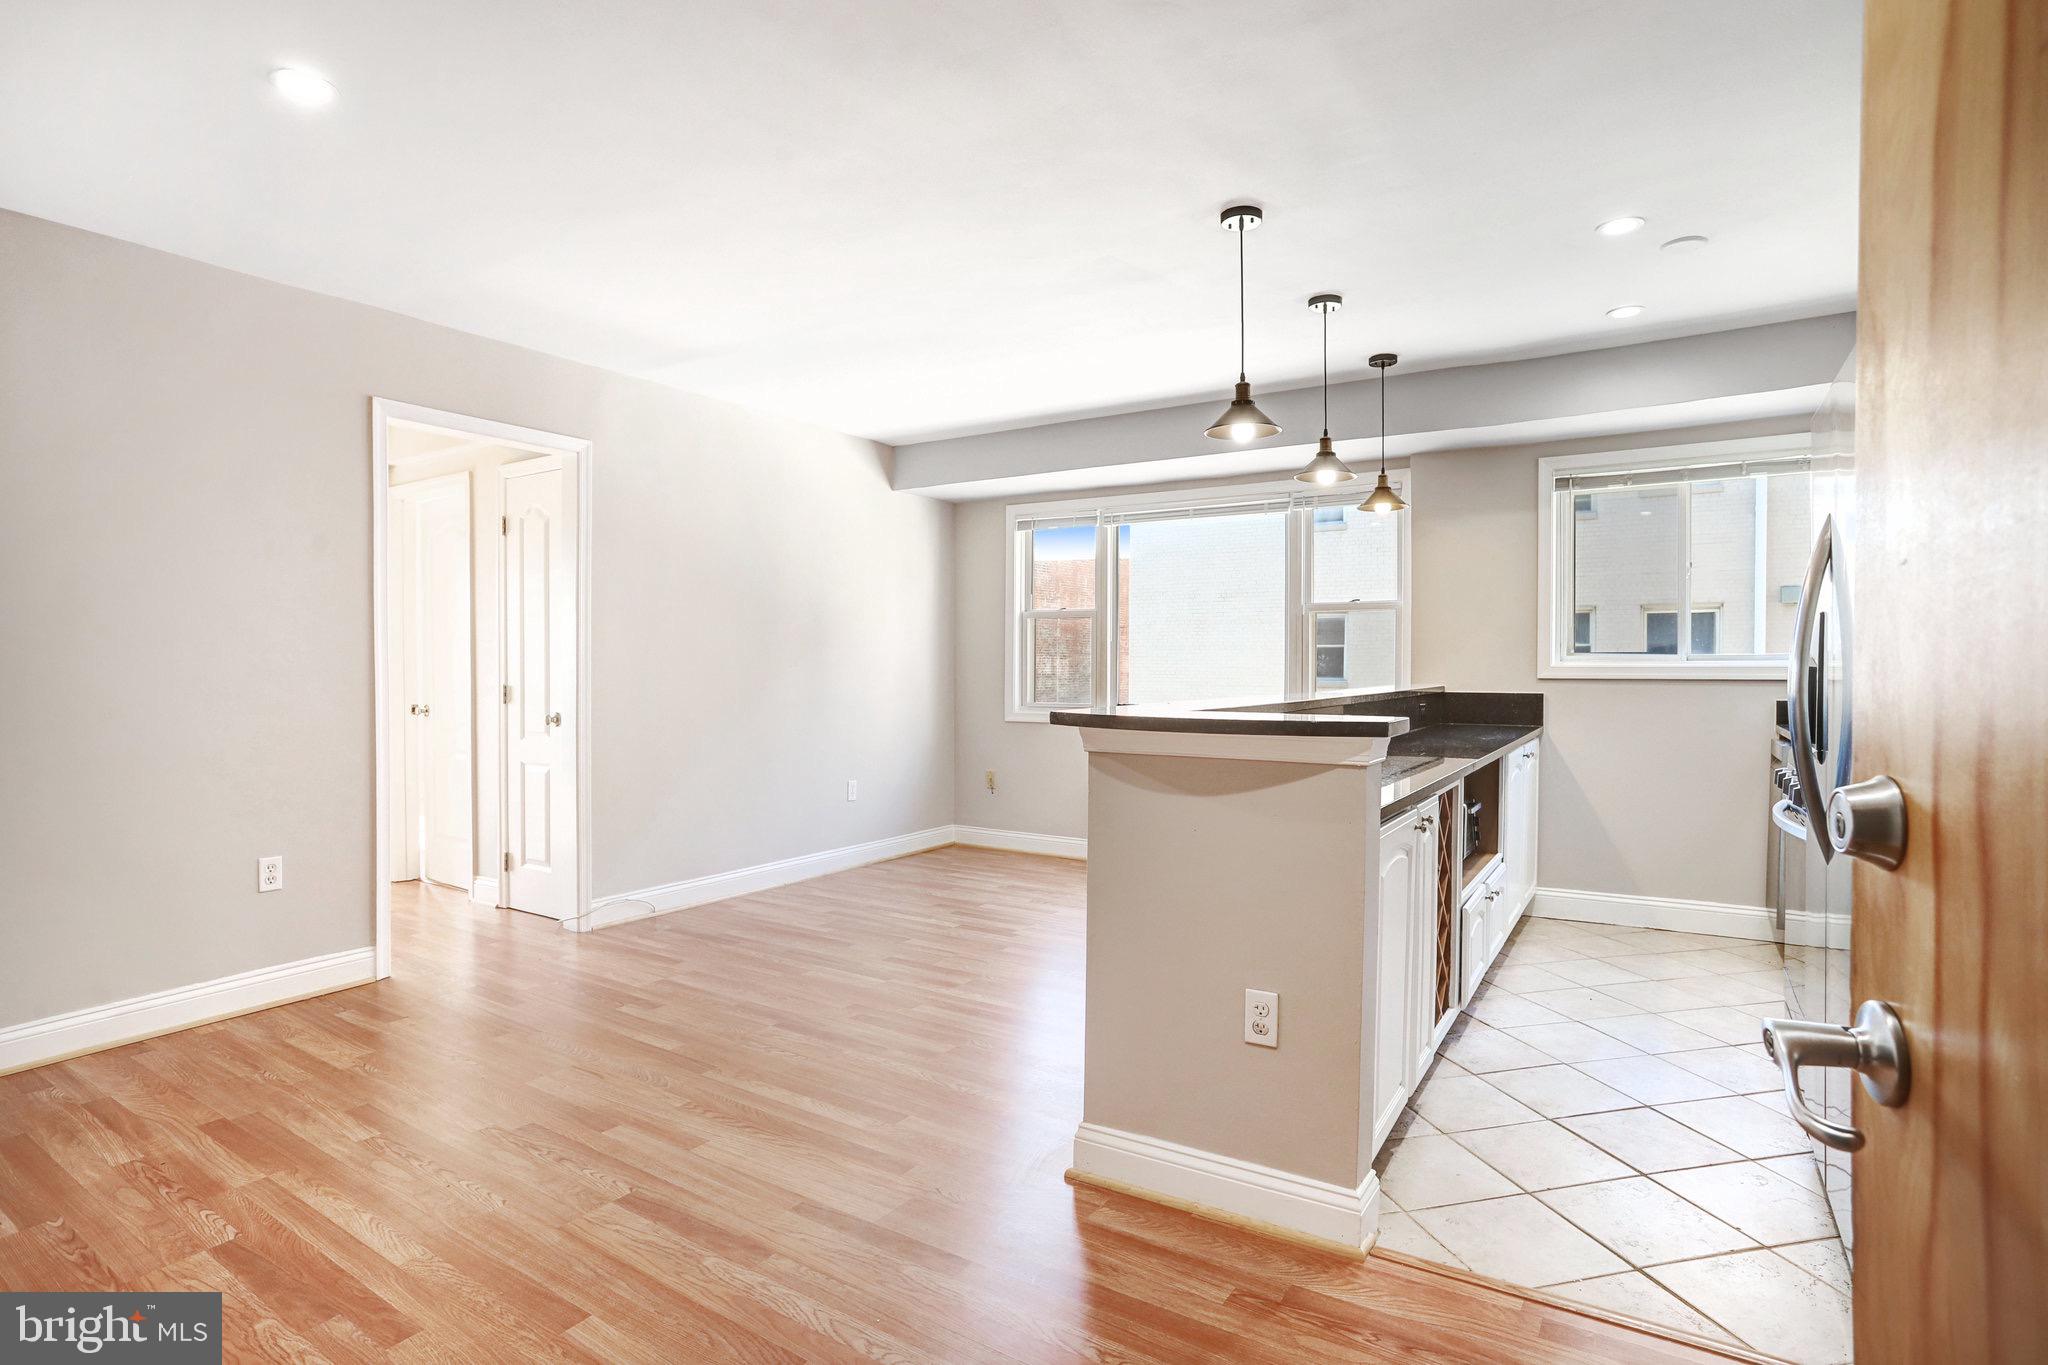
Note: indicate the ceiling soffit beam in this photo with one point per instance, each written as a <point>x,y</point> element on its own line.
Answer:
<point>1744,373</point>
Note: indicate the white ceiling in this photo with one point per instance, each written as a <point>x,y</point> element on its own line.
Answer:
<point>906,219</point>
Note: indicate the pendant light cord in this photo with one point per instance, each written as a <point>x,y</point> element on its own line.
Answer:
<point>1241,230</point>
<point>1383,422</point>
<point>1326,371</point>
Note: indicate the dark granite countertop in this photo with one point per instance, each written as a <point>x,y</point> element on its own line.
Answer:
<point>1434,737</point>
<point>1424,761</point>
<point>1367,712</point>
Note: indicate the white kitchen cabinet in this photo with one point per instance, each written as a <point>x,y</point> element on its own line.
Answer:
<point>1407,891</point>
<point>1518,814</point>
<point>1477,925</point>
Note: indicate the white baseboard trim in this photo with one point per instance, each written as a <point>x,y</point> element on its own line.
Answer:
<point>660,900</point>
<point>41,1041</point>
<point>1020,841</point>
<point>1654,912</point>
<point>1204,1180</point>
<point>484,890</point>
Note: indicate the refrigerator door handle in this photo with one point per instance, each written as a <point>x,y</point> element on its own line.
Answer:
<point>1804,768</point>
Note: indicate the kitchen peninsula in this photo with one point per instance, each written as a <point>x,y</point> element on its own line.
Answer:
<point>1288,903</point>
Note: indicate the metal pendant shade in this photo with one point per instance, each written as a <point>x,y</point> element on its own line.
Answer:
<point>1383,498</point>
<point>1326,468</point>
<point>1242,421</point>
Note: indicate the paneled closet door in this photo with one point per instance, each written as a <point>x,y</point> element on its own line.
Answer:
<point>539,701</point>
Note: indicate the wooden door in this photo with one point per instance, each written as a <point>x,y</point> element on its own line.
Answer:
<point>1951,675</point>
<point>541,706</point>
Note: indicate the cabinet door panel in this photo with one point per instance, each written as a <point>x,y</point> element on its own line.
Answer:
<point>1520,814</point>
<point>1403,900</point>
<point>1475,957</point>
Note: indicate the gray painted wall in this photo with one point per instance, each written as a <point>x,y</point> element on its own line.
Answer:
<point>1649,788</point>
<point>186,554</point>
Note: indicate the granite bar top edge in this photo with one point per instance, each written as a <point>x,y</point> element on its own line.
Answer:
<point>1425,784</point>
<point>1320,713</point>
<point>1236,722</point>
<point>1363,712</point>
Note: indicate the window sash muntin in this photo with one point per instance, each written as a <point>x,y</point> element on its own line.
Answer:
<point>1565,491</point>
<point>1299,613</point>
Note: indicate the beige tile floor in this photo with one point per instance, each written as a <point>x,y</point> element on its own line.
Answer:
<point>1602,1123</point>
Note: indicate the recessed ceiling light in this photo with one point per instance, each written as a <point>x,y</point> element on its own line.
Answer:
<point>1684,244</point>
<point>1627,310</point>
<point>1618,227</point>
<point>309,89</point>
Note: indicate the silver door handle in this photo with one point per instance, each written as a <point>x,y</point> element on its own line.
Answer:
<point>1867,820</point>
<point>554,717</point>
<point>1875,1049</point>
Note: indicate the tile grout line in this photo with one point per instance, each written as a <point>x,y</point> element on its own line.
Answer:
<point>1491,988</point>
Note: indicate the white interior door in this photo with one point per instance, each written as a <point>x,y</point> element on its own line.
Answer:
<point>402,688</point>
<point>539,701</point>
<point>433,810</point>
<point>448,779</point>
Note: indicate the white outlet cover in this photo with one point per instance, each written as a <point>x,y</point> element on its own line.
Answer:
<point>1262,1018</point>
<point>270,873</point>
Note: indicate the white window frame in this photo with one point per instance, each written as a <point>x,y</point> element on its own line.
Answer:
<point>1555,518</point>
<point>1300,661</point>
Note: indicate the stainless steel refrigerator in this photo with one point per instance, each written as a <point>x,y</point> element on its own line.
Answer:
<point>1813,889</point>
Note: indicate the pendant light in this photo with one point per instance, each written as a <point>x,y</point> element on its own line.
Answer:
<point>1242,421</point>
<point>1383,498</point>
<point>1326,468</point>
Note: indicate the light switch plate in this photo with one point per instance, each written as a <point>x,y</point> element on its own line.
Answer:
<point>1262,1018</point>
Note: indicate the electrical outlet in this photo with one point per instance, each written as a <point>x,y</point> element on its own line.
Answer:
<point>852,790</point>
<point>990,778</point>
<point>1262,1018</point>
<point>270,873</point>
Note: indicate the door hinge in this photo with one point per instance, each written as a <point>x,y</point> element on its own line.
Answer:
<point>507,691</point>
<point>508,862</point>
<point>504,526</point>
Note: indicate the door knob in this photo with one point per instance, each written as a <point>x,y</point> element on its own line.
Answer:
<point>1875,1049</point>
<point>554,717</point>
<point>420,710</point>
<point>1422,825</point>
<point>1867,820</point>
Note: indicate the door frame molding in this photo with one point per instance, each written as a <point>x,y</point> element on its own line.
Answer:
<point>383,413</point>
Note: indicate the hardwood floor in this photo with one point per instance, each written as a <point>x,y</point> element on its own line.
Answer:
<point>824,1122</point>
